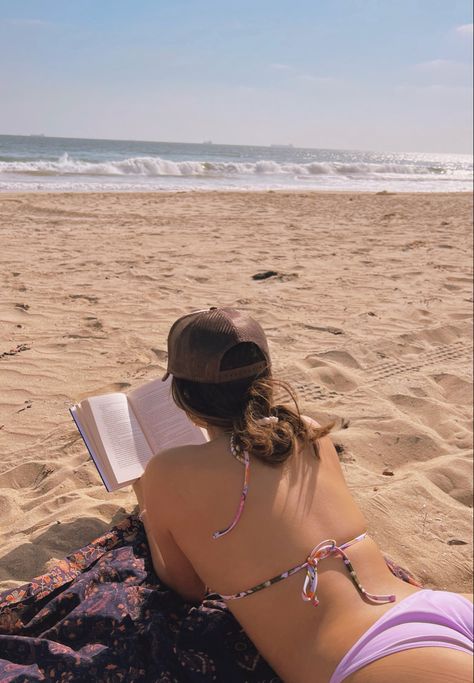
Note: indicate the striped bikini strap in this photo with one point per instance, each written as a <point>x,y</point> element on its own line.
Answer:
<point>319,552</point>
<point>284,575</point>
<point>244,458</point>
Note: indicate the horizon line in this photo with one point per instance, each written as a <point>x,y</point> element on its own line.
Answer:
<point>224,144</point>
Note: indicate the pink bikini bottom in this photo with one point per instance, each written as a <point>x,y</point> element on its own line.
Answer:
<point>424,619</point>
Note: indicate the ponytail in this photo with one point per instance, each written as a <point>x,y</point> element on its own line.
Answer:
<point>266,430</point>
<point>270,432</point>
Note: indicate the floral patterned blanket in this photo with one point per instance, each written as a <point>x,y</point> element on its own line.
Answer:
<point>103,615</point>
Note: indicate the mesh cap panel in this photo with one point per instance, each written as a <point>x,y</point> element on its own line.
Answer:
<point>197,342</point>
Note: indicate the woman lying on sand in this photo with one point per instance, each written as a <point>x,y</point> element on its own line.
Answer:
<point>237,517</point>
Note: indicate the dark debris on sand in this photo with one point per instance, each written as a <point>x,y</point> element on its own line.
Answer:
<point>281,277</point>
<point>13,352</point>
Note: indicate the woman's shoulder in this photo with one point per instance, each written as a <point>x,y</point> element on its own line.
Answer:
<point>181,464</point>
<point>174,459</point>
<point>171,477</point>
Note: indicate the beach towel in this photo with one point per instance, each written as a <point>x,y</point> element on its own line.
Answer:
<point>102,614</point>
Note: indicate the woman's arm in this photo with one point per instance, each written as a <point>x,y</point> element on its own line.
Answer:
<point>154,495</point>
<point>137,487</point>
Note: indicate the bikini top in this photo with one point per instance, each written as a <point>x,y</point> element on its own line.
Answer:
<point>321,551</point>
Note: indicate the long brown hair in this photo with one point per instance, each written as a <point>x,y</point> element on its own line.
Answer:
<point>240,407</point>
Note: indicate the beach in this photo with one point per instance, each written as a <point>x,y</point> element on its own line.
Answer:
<point>367,302</point>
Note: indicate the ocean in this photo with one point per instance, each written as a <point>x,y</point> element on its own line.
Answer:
<point>38,163</point>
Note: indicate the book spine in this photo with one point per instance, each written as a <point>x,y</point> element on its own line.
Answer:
<point>91,452</point>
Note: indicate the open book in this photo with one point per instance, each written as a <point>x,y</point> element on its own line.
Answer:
<point>123,431</point>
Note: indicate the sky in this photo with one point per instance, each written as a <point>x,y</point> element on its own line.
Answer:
<point>383,75</point>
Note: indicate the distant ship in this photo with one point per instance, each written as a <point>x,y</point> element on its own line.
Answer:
<point>282,146</point>
<point>207,142</point>
<point>36,135</point>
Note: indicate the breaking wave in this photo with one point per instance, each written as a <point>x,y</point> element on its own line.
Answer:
<point>153,166</point>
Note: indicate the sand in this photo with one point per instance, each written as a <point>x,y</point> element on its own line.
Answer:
<point>369,313</point>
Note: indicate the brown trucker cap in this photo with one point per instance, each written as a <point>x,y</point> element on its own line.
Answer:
<point>198,341</point>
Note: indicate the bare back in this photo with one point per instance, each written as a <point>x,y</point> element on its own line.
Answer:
<point>289,509</point>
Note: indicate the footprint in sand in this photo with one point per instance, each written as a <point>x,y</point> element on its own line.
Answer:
<point>332,377</point>
<point>455,389</point>
<point>431,413</point>
<point>454,478</point>
<point>392,443</point>
<point>335,379</point>
<point>342,357</point>
<point>161,354</point>
<point>28,475</point>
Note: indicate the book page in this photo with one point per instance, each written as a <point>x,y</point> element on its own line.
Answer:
<point>164,424</point>
<point>83,425</point>
<point>122,437</point>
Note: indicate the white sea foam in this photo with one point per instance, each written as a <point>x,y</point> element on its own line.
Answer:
<point>149,166</point>
<point>29,163</point>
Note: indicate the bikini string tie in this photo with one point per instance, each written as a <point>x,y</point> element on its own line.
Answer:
<point>326,549</point>
<point>320,552</point>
